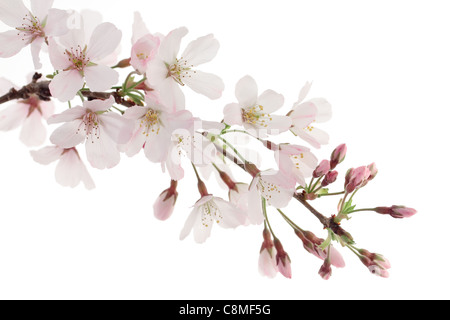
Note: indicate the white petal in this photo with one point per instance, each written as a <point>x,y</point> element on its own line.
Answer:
<point>66,84</point>
<point>101,78</point>
<point>57,23</point>
<point>233,114</point>
<point>303,115</point>
<point>47,155</point>
<point>13,116</point>
<point>12,12</point>
<point>99,105</point>
<point>255,212</point>
<point>304,92</point>
<point>278,124</point>
<point>170,46</point>
<point>139,28</point>
<point>135,113</point>
<point>268,264</point>
<point>271,101</point>
<point>36,47</point>
<point>68,115</point>
<point>202,229</point>
<point>117,127</point>
<point>102,152</point>
<point>189,224</point>
<point>105,39</point>
<point>313,136</point>
<point>136,143</point>
<point>173,165</point>
<point>69,170</point>
<point>74,38</point>
<point>40,8</point>
<point>202,50</point>
<point>5,86</point>
<point>10,44</point>
<point>230,216</point>
<point>33,132</point>
<point>47,109</point>
<point>171,95</point>
<point>69,135</point>
<point>156,72</point>
<point>86,178</point>
<point>59,60</point>
<point>157,147</point>
<point>247,92</point>
<point>324,108</point>
<point>207,84</point>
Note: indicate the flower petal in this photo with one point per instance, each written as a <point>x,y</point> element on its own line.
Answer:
<point>10,44</point>
<point>36,47</point>
<point>40,8</point>
<point>33,132</point>
<point>233,114</point>
<point>303,115</point>
<point>139,28</point>
<point>189,224</point>
<point>304,92</point>
<point>255,212</point>
<point>157,73</point>
<point>170,46</point>
<point>104,40</point>
<point>47,155</point>
<point>66,84</point>
<point>100,78</point>
<point>13,116</point>
<point>247,92</point>
<point>232,217</point>
<point>202,50</point>
<point>99,105</point>
<point>207,84</point>
<point>57,24</point>
<point>69,135</point>
<point>271,101</point>
<point>57,57</point>
<point>102,153</point>
<point>324,109</point>
<point>68,115</point>
<point>171,95</point>
<point>12,12</point>
<point>69,170</point>
<point>117,127</point>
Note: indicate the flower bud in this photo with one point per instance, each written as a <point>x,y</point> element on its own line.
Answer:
<point>338,156</point>
<point>322,169</point>
<point>228,181</point>
<point>165,204</point>
<point>267,257</point>
<point>373,171</point>
<point>125,63</point>
<point>325,271</point>
<point>283,260</point>
<point>330,178</point>
<point>397,212</point>
<point>357,179</point>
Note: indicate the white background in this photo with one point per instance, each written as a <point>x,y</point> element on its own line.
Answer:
<point>384,66</point>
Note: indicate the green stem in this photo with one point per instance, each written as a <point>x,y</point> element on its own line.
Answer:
<point>264,206</point>
<point>333,194</point>
<point>233,148</point>
<point>363,210</point>
<point>289,221</point>
<point>196,172</point>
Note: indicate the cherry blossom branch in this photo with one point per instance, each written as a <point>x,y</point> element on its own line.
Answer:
<point>42,90</point>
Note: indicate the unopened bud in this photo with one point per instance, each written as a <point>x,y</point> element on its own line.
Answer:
<point>357,178</point>
<point>373,171</point>
<point>228,181</point>
<point>252,169</point>
<point>397,212</point>
<point>330,178</point>
<point>165,204</point>
<point>322,169</point>
<point>338,156</point>
<point>325,271</point>
<point>283,260</point>
<point>202,189</point>
<point>125,63</point>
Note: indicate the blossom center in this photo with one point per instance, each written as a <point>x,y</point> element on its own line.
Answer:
<point>255,116</point>
<point>296,160</point>
<point>150,123</point>
<point>31,28</point>
<point>210,213</point>
<point>91,126</point>
<point>180,70</point>
<point>267,189</point>
<point>77,58</point>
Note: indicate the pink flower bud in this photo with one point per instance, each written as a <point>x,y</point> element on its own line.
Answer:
<point>373,171</point>
<point>397,212</point>
<point>357,179</point>
<point>267,257</point>
<point>165,204</point>
<point>338,156</point>
<point>322,169</point>
<point>325,271</point>
<point>374,266</point>
<point>330,178</point>
<point>283,260</point>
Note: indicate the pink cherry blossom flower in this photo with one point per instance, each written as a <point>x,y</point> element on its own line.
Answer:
<point>325,271</point>
<point>272,186</point>
<point>397,212</point>
<point>255,112</point>
<point>375,267</point>
<point>296,162</point>
<point>101,129</point>
<point>207,211</point>
<point>357,178</point>
<point>305,114</point>
<point>31,27</point>
<point>27,113</point>
<point>144,45</point>
<point>239,196</point>
<point>70,170</point>
<point>167,72</point>
<point>153,129</point>
<point>268,257</point>
<point>165,203</point>
<point>78,61</point>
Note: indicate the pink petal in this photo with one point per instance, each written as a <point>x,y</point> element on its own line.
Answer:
<point>157,73</point>
<point>66,84</point>
<point>68,135</point>
<point>47,109</point>
<point>105,39</point>
<point>207,84</point>
<point>10,44</point>
<point>171,95</point>
<point>12,12</point>
<point>189,224</point>
<point>102,153</point>
<point>36,47</point>
<point>143,52</point>
<point>303,115</point>
<point>136,143</point>
<point>255,212</point>
<point>47,155</point>
<point>5,86</point>
<point>247,92</point>
<point>336,258</point>
<point>170,46</point>
<point>99,105</point>
<point>278,124</point>
<point>117,127</point>
<point>33,132</point>
<point>268,264</point>
<point>202,50</point>
<point>232,216</point>
<point>57,23</point>
<point>324,109</point>
<point>163,207</point>
<point>271,101</point>
<point>100,78</point>
<point>233,114</point>
<point>304,92</point>
<point>69,170</point>
<point>68,115</point>
<point>40,8</point>
<point>139,28</point>
<point>157,147</point>
<point>59,60</point>
<point>13,116</point>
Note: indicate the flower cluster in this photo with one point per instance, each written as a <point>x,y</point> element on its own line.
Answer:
<point>146,112</point>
